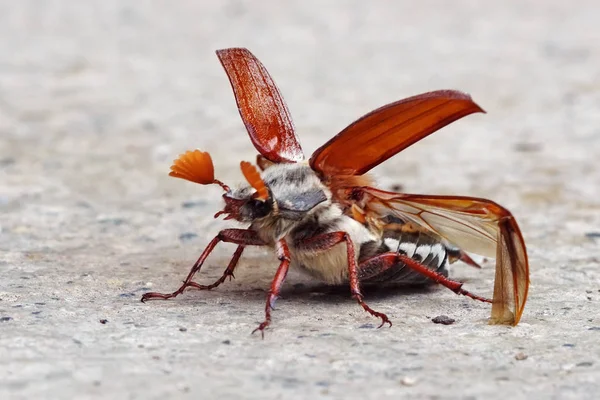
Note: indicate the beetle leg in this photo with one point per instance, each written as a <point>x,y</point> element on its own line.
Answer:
<point>376,265</point>
<point>242,237</point>
<point>283,254</point>
<point>227,273</point>
<point>328,240</point>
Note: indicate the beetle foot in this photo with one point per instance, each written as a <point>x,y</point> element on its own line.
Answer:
<point>262,327</point>
<point>384,318</point>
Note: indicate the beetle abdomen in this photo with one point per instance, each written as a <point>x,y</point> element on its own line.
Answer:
<point>418,245</point>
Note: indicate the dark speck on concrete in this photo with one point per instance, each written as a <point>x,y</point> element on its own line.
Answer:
<point>366,326</point>
<point>5,319</point>
<point>187,236</point>
<point>443,319</point>
<point>113,221</point>
<point>192,204</point>
<point>592,235</point>
<point>226,341</point>
<point>594,328</point>
<point>182,329</point>
<point>527,147</point>
<point>5,162</point>
<point>127,295</point>
<point>103,321</point>
<point>585,364</point>
<point>83,204</point>
<point>570,345</point>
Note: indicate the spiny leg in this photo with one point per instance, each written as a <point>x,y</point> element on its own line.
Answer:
<point>283,254</point>
<point>227,273</point>
<point>378,264</point>
<point>242,237</point>
<point>328,240</point>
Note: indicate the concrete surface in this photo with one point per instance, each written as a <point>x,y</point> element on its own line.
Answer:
<point>97,98</point>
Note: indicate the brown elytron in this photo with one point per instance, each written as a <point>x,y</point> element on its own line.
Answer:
<point>326,218</point>
<point>261,106</point>
<point>388,130</point>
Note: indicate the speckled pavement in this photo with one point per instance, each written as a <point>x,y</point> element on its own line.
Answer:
<point>98,97</point>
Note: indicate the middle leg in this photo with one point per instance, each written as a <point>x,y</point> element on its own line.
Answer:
<point>325,242</point>
<point>283,254</point>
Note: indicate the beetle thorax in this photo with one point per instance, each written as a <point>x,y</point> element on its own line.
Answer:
<point>296,193</point>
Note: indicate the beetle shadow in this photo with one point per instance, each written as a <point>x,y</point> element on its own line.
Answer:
<point>334,294</point>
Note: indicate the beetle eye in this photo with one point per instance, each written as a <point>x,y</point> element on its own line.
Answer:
<point>261,208</point>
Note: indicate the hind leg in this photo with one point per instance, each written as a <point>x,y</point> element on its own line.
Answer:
<point>377,265</point>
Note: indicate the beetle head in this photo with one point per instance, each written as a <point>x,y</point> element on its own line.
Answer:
<point>249,202</point>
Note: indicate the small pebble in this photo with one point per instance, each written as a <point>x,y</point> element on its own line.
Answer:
<point>103,321</point>
<point>521,356</point>
<point>182,329</point>
<point>408,381</point>
<point>443,319</point>
<point>227,341</point>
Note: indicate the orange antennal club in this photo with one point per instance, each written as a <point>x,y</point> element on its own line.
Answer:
<point>196,166</point>
<point>253,177</point>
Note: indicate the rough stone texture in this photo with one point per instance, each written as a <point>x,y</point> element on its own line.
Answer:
<point>97,98</point>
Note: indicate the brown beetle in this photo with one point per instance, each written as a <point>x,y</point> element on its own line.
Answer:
<point>325,217</point>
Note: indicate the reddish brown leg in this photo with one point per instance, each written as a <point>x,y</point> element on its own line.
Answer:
<point>242,237</point>
<point>227,273</point>
<point>380,263</point>
<point>283,254</point>
<point>328,240</point>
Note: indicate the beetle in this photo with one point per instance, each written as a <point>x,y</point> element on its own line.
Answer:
<point>325,217</point>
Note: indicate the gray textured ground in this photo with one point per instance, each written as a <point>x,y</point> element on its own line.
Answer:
<point>96,99</point>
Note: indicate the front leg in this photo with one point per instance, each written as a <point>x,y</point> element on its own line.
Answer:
<point>241,237</point>
<point>325,242</point>
<point>283,254</point>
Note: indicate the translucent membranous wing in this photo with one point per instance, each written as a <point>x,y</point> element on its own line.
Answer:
<point>475,225</point>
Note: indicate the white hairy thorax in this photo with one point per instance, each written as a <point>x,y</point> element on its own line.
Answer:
<point>291,183</point>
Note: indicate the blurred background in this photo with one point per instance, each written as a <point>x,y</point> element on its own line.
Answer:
<point>98,97</point>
